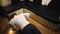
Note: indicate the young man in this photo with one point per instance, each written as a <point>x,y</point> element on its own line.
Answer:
<point>21,21</point>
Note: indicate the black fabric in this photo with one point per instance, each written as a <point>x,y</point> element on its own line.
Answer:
<point>30,29</point>
<point>55,4</point>
<point>37,2</point>
<point>15,1</point>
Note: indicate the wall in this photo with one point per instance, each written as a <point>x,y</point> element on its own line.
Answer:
<point>5,2</point>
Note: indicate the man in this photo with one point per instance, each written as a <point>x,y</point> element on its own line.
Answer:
<point>21,21</point>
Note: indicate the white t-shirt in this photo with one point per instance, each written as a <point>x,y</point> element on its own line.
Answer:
<point>20,21</point>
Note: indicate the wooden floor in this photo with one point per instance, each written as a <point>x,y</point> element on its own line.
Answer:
<point>41,28</point>
<point>4,28</point>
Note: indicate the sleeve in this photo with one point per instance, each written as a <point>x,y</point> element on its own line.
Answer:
<point>27,32</point>
<point>36,31</point>
<point>31,32</point>
<point>30,29</point>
